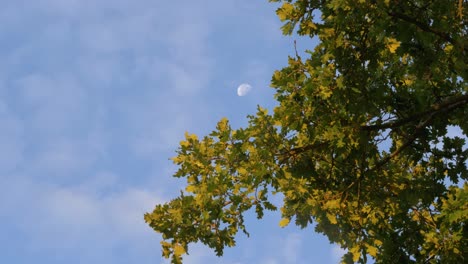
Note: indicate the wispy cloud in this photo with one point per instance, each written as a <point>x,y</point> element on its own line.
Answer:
<point>94,97</point>
<point>60,219</point>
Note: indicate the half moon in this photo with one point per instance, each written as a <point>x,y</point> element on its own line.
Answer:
<point>243,89</point>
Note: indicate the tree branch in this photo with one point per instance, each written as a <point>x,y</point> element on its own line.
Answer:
<point>422,26</point>
<point>449,104</point>
<point>283,156</point>
<point>405,145</point>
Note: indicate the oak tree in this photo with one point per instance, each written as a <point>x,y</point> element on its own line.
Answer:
<point>357,145</point>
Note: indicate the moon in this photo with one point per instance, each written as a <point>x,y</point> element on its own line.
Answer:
<point>243,89</point>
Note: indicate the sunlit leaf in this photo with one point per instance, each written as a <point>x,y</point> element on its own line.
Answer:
<point>284,222</point>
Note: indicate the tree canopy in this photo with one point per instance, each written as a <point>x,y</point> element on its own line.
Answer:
<point>357,145</point>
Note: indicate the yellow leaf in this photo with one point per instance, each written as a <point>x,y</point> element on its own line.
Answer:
<point>259,193</point>
<point>190,188</point>
<point>408,82</point>
<point>311,25</point>
<point>223,124</point>
<point>236,189</point>
<point>393,44</point>
<point>263,111</point>
<point>332,204</point>
<point>284,222</point>
<point>325,92</point>
<point>251,149</point>
<point>328,33</point>
<point>356,253</point>
<point>285,11</point>
<point>372,250</point>
<point>405,58</point>
<point>301,189</point>
<point>448,48</point>
<point>165,247</point>
<point>184,143</point>
<point>242,171</point>
<point>190,136</point>
<point>178,159</point>
<point>178,250</point>
<point>277,75</point>
<point>332,218</point>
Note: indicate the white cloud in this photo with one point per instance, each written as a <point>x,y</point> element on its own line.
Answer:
<point>156,139</point>
<point>258,71</point>
<point>187,81</point>
<point>79,220</point>
<point>54,105</point>
<point>64,156</point>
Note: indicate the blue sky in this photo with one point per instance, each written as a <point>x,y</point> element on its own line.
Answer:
<point>95,97</point>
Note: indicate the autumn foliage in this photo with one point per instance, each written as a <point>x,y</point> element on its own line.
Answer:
<point>358,143</point>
